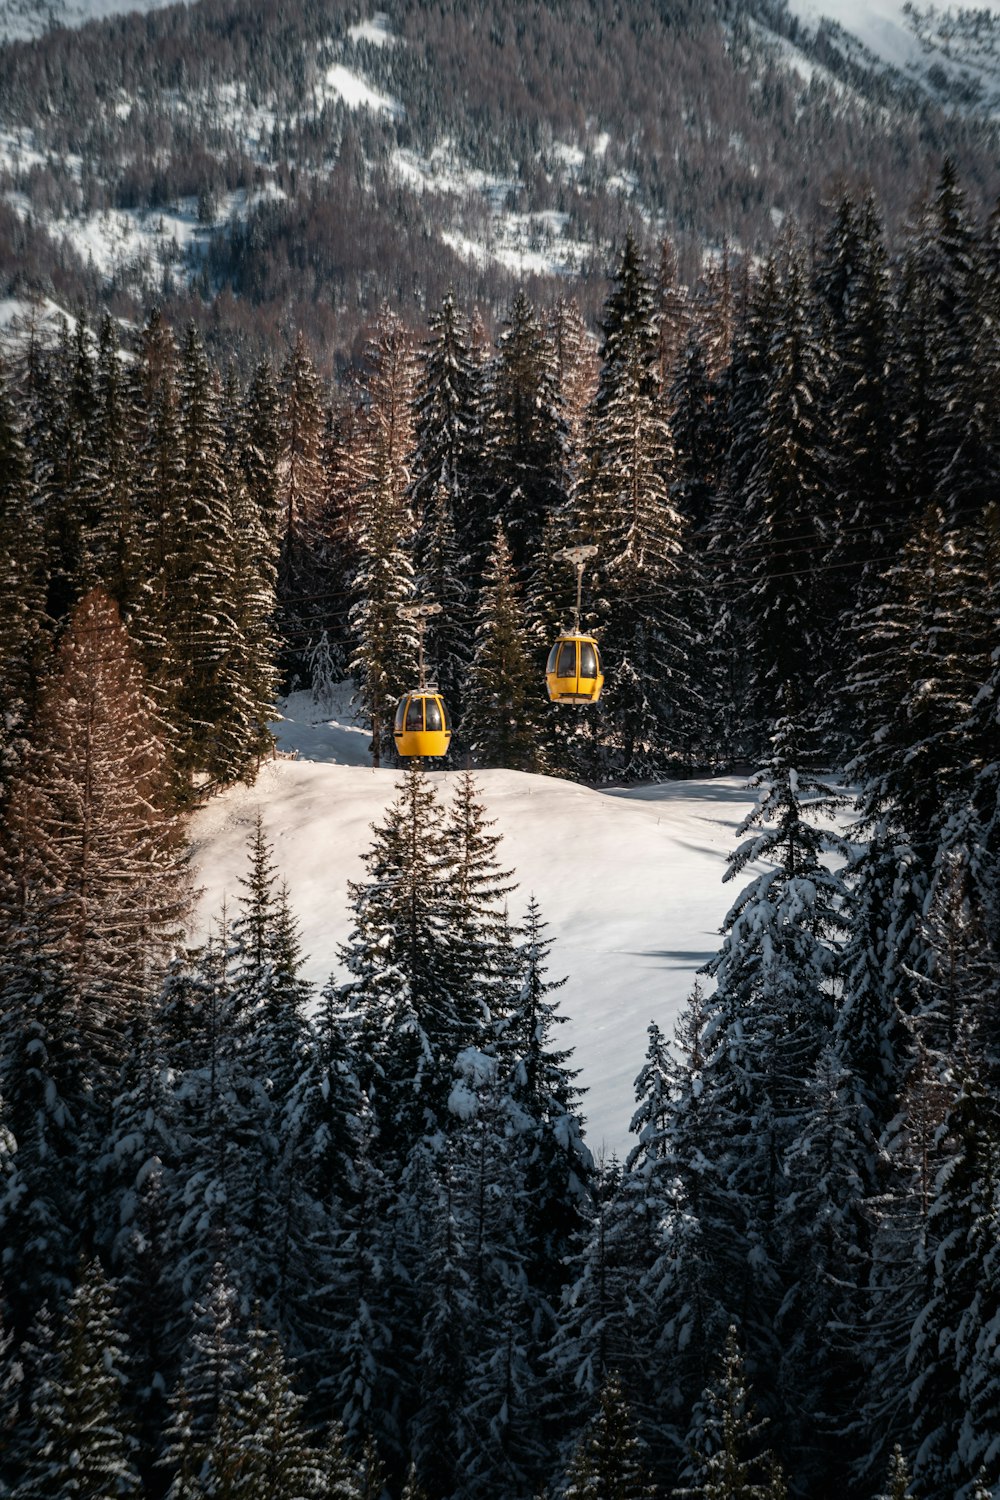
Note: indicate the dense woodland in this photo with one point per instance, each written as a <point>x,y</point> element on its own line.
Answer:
<point>686,118</point>
<point>262,1242</point>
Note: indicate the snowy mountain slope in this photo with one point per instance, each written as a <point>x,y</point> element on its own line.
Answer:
<point>20,20</point>
<point>628,881</point>
<point>947,49</point>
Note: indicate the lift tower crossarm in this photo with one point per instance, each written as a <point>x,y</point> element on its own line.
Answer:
<point>421,613</point>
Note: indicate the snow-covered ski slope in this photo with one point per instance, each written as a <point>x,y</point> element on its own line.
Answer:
<point>629,881</point>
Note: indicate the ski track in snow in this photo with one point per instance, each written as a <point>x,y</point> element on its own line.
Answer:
<point>629,881</point>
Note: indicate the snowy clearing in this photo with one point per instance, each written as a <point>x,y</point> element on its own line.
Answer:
<point>378,31</point>
<point>629,881</point>
<point>341,83</point>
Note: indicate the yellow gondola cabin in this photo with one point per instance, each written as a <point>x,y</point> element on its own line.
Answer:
<point>573,671</point>
<point>421,726</point>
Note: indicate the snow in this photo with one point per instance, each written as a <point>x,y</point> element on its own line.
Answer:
<point>20,20</point>
<point>629,881</point>
<point>884,30</point>
<point>378,31</point>
<point>344,84</point>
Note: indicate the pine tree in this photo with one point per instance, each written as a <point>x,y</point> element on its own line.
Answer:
<point>725,1459</point>
<point>64,421</point>
<point>898,1478</point>
<point>786,533</point>
<point>82,1445</point>
<point>385,655</point>
<point>524,434</point>
<point>159,505</point>
<point>920,663</point>
<point>678,1300</point>
<point>116,531</point>
<point>607,1464</point>
<point>101,869</point>
<point>11,1391</point>
<point>401,959</point>
<point>216,706</point>
<point>825,1244</point>
<point>742,391</point>
<point>198,1437</point>
<point>273,1455</point>
<point>21,585</point>
<point>252,496</point>
<point>48,1127</point>
<point>501,723</point>
<point>447,432</point>
<point>852,287</point>
<point>771,1017</point>
<point>300,497</point>
<point>956,1323</point>
<point>576,369</point>
<point>480,930</point>
<point>948,450</point>
<point>625,509</point>
<point>554,1162</point>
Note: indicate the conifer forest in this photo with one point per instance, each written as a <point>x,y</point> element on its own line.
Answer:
<point>261,1240</point>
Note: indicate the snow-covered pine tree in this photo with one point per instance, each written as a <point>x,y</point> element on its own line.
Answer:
<point>786,532</point>
<point>680,1315</point>
<point>955,1430</point>
<point>82,1445</point>
<point>102,872</point>
<point>501,723</point>
<point>437,1247</point>
<point>48,1126</point>
<point>624,507</point>
<point>697,423</point>
<point>401,958</point>
<point>252,500</point>
<point>273,1452</point>
<point>555,1162</point>
<point>600,1330</point>
<point>910,1159</point>
<point>218,700</point>
<point>300,498</point>
<point>921,659</point>
<point>673,315</point>
<point>258,444</point>
<point>860,419</point>
<point>21,584</point>
<point>63,421</point>
<point>524,434</point>
<point>137,1235</point>
<point>213,1374</point>
<point>742,391</point>
<point>385,657</point>
<point>948,444</point>
<point>447,429</point>
<point>576,369</point>
<point>501,1427</point>
<point>480,930</point>
<point>824,1232</point>
<point>159,476</point>
<point>725,1460</point>
<point>360,1316</point>
<point>269,996</point>
<point>897,1478</point>
<point>608,1461</point>
<point>113,467</point>
<point>770,1018</point>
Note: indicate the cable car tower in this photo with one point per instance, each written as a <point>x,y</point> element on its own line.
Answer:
<point>573,670</point>
<point>421,726</point>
